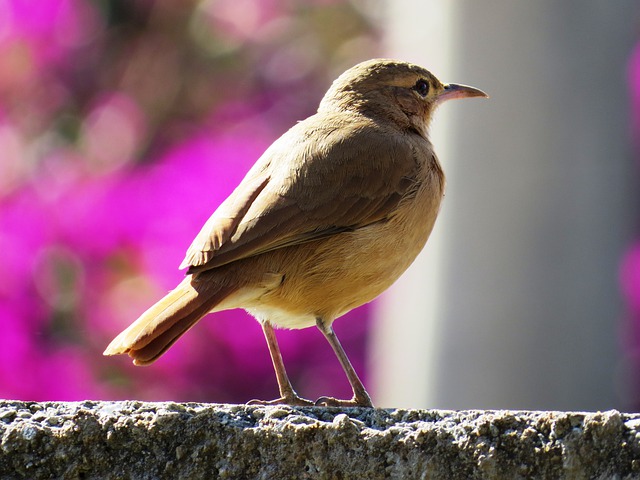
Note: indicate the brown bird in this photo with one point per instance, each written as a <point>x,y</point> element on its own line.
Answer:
<point>327,219</point>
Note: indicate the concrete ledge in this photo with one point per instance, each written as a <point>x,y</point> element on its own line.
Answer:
<point>118,440</point>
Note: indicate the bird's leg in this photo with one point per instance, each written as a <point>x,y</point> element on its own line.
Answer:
<point>287,393</point>
<point>360,395</point>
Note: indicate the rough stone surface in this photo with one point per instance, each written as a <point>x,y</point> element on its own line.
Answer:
<point>123,440</point>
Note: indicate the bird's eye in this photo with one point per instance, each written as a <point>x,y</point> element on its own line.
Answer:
<point>422,87</point>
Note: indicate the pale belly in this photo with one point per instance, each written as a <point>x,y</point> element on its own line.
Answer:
<point>329,277</point>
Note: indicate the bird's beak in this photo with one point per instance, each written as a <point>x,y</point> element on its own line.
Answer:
<point>454,90</point>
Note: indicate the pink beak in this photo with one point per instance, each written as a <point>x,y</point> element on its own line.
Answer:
<point>454,90</point>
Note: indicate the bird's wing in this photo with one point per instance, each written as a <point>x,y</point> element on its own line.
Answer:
<point>313,182</point>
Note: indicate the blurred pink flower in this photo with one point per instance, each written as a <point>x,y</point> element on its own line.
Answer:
<point>113,132</point>
<point>47,28</point>
<point>629,275</point>
<point>634,92</point>
<point>630,279</point>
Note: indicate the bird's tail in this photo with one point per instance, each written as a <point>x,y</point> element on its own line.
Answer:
<point>160,326</point>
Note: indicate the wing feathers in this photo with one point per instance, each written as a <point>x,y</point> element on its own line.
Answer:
<point>286,200</point>
<point>224,221</point>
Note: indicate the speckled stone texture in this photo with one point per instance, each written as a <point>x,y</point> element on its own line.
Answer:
<point>136,440</point>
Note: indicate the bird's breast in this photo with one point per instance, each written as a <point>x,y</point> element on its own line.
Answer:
<point>329,277</point>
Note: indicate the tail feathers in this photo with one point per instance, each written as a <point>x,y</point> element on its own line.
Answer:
<point>160,326</point>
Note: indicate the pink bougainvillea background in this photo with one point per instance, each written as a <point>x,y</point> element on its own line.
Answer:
<point>630,266</point>
<point>122,126</point>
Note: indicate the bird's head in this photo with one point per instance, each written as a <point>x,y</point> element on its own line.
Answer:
<point>402,92</point>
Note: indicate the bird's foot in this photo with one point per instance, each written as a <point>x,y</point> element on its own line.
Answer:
<point>293,400</point>
<point>362,401</point>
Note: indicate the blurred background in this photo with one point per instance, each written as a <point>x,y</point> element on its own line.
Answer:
<point>123,124</point>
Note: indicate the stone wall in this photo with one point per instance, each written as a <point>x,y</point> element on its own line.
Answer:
<point>123,440</point>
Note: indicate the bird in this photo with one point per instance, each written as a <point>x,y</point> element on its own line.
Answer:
<point>331,214</point>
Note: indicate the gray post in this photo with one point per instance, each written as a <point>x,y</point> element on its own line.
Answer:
<point>539,206</point>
